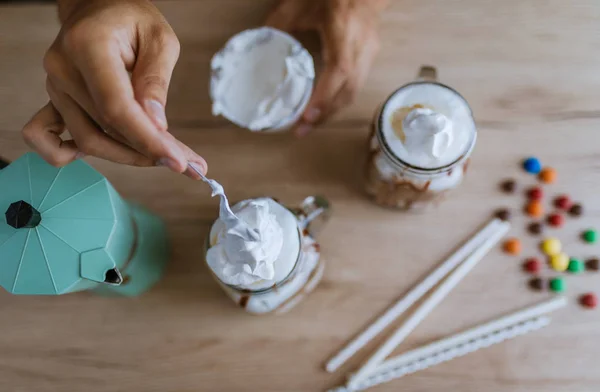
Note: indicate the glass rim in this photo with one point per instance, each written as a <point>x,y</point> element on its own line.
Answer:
<point>402,163</point>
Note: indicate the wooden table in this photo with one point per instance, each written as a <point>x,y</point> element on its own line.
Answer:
<point>530,71</point>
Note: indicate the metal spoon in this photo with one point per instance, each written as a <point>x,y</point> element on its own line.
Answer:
<point>225,213</point>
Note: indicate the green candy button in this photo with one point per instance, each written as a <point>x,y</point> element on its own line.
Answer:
<point>576,266</point>
<point>590,236</point>
<point>558,285</point>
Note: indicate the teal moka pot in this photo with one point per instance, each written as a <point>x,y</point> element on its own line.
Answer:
<point>66,230</point>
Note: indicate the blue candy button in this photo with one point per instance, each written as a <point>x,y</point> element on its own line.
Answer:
<point>532,165</point>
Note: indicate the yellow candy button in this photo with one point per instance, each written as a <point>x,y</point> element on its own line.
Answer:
<point>551,246</point>
<point>559,262</point>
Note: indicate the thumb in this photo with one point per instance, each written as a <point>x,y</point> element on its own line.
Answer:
<point>151,76</point>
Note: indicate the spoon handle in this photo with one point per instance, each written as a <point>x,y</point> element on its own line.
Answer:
<point>225,213</point>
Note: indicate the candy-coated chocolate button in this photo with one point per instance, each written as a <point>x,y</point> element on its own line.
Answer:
<point>532,165</point>
<point>535,193</point>
<point>535,209</point>
<point>590,236</point>
<point>551,246</point>
<point>548,175</point>
<point>535,228</point>
<point>576,210</point>
<point>537,284</point>
<point>508,185</point>
<point>576,266</point>
<point>532,265</point>
<point>559,262</point>
<point>503,214</point>
<point>556,220</point>
<point>589,300</point>
<point>563,202</point>
<point>592,264</point>
<point>558,285</point>
<point>512,246</point>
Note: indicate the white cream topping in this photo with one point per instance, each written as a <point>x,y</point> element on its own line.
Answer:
<point>437,127</point>
<point>261,78</point>
<point>255,264</point>
<point>427,132</point>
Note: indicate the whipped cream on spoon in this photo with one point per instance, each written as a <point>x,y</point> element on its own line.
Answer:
<point>231,221</point>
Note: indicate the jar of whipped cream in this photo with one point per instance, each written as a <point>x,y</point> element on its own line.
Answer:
<point>262,80</point>
<point>277,271</point>
<point>420,143</point>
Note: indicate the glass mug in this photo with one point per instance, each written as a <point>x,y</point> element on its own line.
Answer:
<point>306,274</point>
<point>394,182</point>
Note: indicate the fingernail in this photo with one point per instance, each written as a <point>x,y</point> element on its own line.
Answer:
<point>169,163</point>
<point>157,111</point>
<point>79,155</point>
<point>312,115</point>
<point>303,130</point>
<point>192,174</point>
<point>201,167</point>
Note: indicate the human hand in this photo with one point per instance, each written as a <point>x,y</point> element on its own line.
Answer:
<point>108,75</point>
<point>348,30</point>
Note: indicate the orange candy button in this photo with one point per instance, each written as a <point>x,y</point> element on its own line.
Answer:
<point>535,209</point>
<point>548,175</point>
<point>512,246</point>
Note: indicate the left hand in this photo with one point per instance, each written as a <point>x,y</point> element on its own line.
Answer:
<point>348,30</point>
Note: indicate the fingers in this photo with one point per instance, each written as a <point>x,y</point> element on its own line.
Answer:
<point>42,134</point>
<point>67,79</point>
<point>89,139</point>
<point>157,56</point>
<point>109,85</point>
<point>193,159</point>
<point>338,57</point>
<point>349,52</point>
<point>321,104</point>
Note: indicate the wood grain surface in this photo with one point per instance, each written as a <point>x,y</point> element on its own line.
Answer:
<point>529,68</point>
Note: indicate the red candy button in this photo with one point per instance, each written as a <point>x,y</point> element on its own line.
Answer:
<point>532,265</point>
<point>589,300</point>
<point>556,220</point>
<point>535,193</point>
<point>563,202</point>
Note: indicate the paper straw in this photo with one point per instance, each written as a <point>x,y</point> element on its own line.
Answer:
<point>411,297</point>
<point>427,306</point>
<point>528,313</point>
<point>460,348</point>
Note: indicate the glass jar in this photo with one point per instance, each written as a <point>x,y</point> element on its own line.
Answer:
<point>283,295</point>
<point>243,69</point>
<point>392,181</point>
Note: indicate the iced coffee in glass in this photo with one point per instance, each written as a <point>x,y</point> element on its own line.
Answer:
<point>275,272</point>
<point>420,143</point>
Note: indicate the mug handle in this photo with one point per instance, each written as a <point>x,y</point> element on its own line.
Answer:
<point>427,73</point>
<point>314,213</point>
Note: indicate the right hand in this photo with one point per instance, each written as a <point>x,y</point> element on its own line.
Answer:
<point>350,40</point>
<point>110,114</point>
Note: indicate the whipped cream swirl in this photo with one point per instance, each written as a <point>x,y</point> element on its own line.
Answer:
<point>240,262</point>
<point>427,125</point>
<point>261,79</point>
<point>427,132</point>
